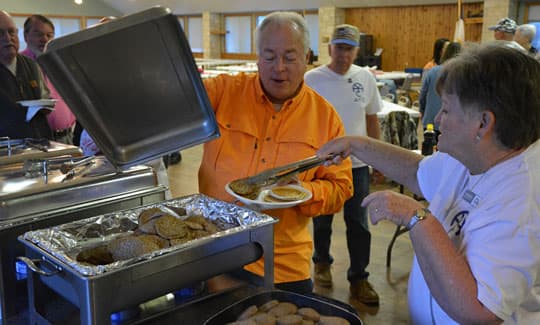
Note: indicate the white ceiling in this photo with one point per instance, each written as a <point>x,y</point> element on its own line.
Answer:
<point>182,7</point>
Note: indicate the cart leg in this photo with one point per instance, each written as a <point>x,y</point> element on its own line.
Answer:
<point>35,285</point>
<point>93,313</point>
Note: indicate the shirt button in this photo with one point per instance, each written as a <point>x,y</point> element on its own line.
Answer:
<point>263,160</point>
<point>273,117</point>
<point>268,139</point>
<point>228,126</point>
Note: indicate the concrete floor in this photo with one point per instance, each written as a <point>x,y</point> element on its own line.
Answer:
<point>390,283</point>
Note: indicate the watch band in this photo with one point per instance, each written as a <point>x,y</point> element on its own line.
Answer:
<point>418,216</point>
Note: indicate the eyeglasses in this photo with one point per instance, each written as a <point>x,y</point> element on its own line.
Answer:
<point>12,32</point>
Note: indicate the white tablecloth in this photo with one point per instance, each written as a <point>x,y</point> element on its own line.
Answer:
<point>389,107</point>
<point>395,75</point>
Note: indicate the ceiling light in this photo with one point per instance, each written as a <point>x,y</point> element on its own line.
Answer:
<point>79,2</point>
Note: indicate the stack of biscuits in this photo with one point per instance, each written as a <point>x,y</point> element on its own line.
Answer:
<point>156,230</point>
<point>284,313</point>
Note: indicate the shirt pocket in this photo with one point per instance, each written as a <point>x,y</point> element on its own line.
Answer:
<point>293,147</point>
<point>235,150</point>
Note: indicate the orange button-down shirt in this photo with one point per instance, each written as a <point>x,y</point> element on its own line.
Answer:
<point>255,137</point>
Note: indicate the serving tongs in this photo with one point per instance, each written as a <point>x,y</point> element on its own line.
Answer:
<point>247,185</point>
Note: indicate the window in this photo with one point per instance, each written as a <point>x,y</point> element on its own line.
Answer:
<point>194,32</point>
<point>238,34</point>
<point>312,21</point>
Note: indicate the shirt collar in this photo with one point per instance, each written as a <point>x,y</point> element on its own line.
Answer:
<point>260,93</point>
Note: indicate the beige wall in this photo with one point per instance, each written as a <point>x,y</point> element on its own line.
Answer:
<point>495,10</point>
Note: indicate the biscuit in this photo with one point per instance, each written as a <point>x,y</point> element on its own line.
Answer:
<point>287,193</point>
<point>309,314</point>
<point>269,305</point>
<point>289,320</point>
<point>333,320</point>
<point>170,227</point>
<point>283,308</point>
<point>150,240</point>
<point>247,313</point>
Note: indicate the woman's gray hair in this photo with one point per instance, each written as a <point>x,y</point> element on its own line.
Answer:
<point>500,79</point>
<point>282,18</point>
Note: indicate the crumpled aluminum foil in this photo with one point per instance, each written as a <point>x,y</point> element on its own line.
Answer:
<point>67,240</point>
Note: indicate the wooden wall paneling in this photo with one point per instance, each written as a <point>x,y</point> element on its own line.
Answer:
<point>407,34</point>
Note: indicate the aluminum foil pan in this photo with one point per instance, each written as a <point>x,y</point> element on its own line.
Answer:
<point>67,240</point>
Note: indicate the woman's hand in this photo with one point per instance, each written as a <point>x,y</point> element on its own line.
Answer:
<point>392,206</point>
<point>335,151</point>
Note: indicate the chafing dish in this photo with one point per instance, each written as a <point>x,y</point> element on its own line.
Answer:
<point>98,291</point>
<point>13,151</point>
<point>30,202</point>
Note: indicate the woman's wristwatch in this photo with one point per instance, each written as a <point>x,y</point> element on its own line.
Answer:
<point>418,216</point>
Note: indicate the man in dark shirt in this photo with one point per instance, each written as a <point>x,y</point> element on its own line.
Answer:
<point>20,79</point>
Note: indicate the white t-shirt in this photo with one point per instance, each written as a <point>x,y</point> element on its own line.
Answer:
<point>353,95</point>
<point>494,221</point>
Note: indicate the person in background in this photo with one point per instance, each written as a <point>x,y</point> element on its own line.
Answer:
<point>524,36</point>
<point>438,48</point>
<point>38,31</point>
<point>269,119</point>
<point>20,79</point>
<point>477,244</point>
<point>353,92</point>
<point>504,30</point>
<point>430,101</point>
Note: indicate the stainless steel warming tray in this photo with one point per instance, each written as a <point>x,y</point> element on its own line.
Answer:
<point>31,201</point>
<point>23,195</point>
<point>244,237</point>
<point>14,151</point>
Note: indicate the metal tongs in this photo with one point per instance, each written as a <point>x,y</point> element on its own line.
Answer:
<point>274,175</point>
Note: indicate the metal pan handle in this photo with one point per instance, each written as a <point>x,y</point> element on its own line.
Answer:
<point>34,266</point>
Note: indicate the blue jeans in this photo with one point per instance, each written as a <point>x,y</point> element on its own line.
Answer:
<point>358,235</point>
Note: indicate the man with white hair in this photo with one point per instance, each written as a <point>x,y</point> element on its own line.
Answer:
<point>524,36</point>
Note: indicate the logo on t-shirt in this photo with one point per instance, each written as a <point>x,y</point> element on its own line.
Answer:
<point>358,91</point>
<point>457,223</point>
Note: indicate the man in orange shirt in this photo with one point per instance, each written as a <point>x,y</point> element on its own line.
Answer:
<point>271,119</point>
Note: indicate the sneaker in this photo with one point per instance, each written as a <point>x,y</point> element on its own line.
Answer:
<point>363,291</point>
<point>323,275</point>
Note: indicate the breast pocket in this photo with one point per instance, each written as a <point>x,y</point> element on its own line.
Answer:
<point>235,151</point>
<point>293,147</point>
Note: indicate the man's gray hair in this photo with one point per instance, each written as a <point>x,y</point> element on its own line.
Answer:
<point>283,18</point>
<point>527,30</point>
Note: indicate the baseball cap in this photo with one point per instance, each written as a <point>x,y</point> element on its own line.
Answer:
<point>346,34</point>
<point>506,25</point>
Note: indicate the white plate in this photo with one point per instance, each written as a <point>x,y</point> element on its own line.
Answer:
<point>38,102</point>
<point>260,204</point>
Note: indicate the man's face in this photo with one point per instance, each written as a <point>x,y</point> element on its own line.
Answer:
<point>281,62</point>
<point>9,40</point>
<point>38,36</point>
<point>342,57</point>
